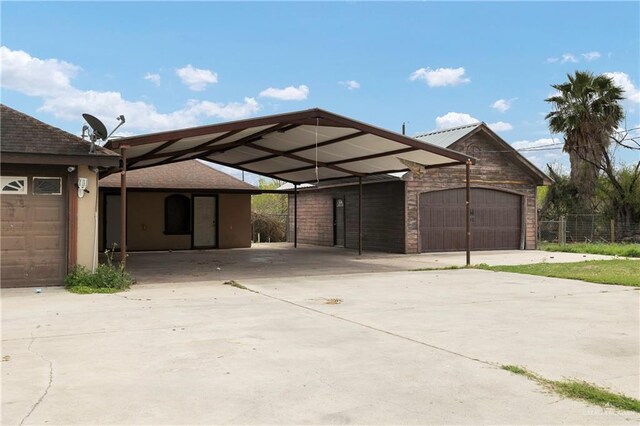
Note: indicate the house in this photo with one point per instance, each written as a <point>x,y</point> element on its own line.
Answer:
<point>177,206</point>
<point>424,210</point>
<point>48,194</point>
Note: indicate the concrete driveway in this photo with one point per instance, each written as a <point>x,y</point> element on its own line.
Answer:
<point>282,260</point>
<point>401,348</point>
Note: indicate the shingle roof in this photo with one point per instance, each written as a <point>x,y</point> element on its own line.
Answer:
<point>184,175</point>
<point>444,138</point>
<point>23,134</point>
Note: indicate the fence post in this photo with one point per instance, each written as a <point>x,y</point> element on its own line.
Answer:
<point>613,230</point>
<point>562,234</point>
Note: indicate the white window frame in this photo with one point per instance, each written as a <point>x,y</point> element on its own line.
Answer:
<point>5,180</point>
<point>46,177</point>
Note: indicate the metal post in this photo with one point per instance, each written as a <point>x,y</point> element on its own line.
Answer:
<point>613,230</point>
<point>359,215</point>
<point>123,207</point>
<point>468,205</point>
<point>295,215</point>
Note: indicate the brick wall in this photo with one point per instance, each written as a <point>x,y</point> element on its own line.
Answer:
<point>497,170</point>
<point>382,221</point>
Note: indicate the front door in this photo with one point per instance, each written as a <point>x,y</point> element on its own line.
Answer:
<point>338,222</point>
<point>205,221</point>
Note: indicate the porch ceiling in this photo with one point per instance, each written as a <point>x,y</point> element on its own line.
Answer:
<point>290,147</point>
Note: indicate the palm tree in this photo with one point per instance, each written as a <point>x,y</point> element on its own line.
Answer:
<point>586,109</point>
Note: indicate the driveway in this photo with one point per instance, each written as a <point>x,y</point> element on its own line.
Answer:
<point>400,348</point>
<point>282,260</point>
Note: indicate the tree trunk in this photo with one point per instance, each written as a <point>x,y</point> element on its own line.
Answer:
<point>584,177</point>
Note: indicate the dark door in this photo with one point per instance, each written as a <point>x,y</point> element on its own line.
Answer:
<point>338,222</point>
<point>495,220</point>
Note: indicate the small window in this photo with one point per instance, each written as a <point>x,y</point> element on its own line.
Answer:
<point>13,185</point>
<point>47,186</point>
<point>177,215</point>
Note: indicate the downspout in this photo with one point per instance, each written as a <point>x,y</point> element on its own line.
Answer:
<point>94,264</point>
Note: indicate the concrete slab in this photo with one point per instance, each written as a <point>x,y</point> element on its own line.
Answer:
<point>282,260</point>
<point>402,348</point>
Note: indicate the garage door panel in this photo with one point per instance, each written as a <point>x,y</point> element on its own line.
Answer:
<point>33,240</point>
<point>495,220</point>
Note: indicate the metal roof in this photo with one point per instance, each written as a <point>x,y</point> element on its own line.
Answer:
<point>298,147</point>
<point>444,138</point>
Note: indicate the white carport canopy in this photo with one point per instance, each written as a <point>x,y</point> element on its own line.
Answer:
<point>289,147</point>
<point>298,147</point>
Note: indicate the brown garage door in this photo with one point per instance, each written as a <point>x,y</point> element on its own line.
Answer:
<point>33,238</point>
<point>495,220</point>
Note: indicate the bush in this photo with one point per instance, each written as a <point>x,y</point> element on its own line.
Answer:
<point>108,278</point>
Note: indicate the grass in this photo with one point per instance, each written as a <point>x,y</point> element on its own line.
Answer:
<point>235,284</point>
<point>85,289</point>
<point>107,278</point>
<point>438,268</point>
<point>616,271</point>
<point>580,390</point>
<point>613,249</point>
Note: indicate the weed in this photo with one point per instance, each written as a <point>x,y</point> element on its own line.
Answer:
<point>576,389</point>
<point>235,284</point>
<point>107,278</point>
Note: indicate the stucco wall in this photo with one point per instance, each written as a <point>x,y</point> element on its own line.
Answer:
<point>234,220</point>
<point>145,222</point>
<point>494,169</point>
<point>87,220</point>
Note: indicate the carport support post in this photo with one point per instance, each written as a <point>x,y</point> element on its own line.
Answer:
<point>468,224</point>
<point>123,207</point>
<point>295,215</point>
<point>360,215</point>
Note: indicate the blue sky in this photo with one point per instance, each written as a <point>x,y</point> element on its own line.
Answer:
<point>428,64</point>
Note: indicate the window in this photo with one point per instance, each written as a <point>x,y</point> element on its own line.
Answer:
<point>47,186</point>
<point>177,215</point>
<point>13,185</point>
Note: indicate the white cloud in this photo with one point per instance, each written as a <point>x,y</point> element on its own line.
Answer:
<point>154,78</point>
<point>539,143</point>
<point>500,126</point>
<point>440,77</point>
<point>350,84</point>
<point>50,80</point>
<point>502,105</point>
<point>591,56</point>
<point>541,151</point>
<point>33,76</point>
<point>290,93</point>
<point>195,78</point>
<point>568,57</point>
<point>623,80</point>
<point>454,119</point>
<point>552,60</point>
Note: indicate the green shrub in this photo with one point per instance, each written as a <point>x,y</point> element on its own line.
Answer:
<point>107,278</point>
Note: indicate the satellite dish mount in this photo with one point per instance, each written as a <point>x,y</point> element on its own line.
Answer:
<point>96,130</point>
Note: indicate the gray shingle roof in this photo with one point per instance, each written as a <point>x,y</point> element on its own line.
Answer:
<point>22,134</point>
<point>444,138</point>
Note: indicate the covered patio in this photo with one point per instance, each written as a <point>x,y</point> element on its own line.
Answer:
<point>304,147</point>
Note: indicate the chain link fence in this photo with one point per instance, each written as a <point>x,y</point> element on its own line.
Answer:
<point>587,228</point>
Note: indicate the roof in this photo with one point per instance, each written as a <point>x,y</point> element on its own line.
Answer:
<point>447,137</point>
<point>298,147</point>
<point>340,182</point>
<point>22,134</point>
<point>184,175</point>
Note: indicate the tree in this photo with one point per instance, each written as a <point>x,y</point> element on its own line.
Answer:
<point>269,212</point>
<point>587,111</point>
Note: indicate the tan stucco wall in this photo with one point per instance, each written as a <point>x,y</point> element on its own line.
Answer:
<point>87,210</point>
<point>234,220</point>
<point>145,223</point>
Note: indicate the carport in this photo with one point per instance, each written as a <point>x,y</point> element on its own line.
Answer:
<point>309,146</point>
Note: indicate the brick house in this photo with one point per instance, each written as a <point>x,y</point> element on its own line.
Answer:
<point>424,210</point>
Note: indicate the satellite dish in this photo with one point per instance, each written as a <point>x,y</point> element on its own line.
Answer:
<point>99,129</point>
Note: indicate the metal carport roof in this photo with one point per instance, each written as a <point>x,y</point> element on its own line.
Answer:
<point>297,147</point>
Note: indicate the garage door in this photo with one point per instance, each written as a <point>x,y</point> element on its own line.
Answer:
<point>33,238</point>
<point>495,220</point>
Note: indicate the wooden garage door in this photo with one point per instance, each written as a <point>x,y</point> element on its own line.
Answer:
<point>495,220</point>
<point>33,239</point>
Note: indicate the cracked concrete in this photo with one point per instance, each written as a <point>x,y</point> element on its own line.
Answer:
<point>402,348</point>
<point>44,394</point>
